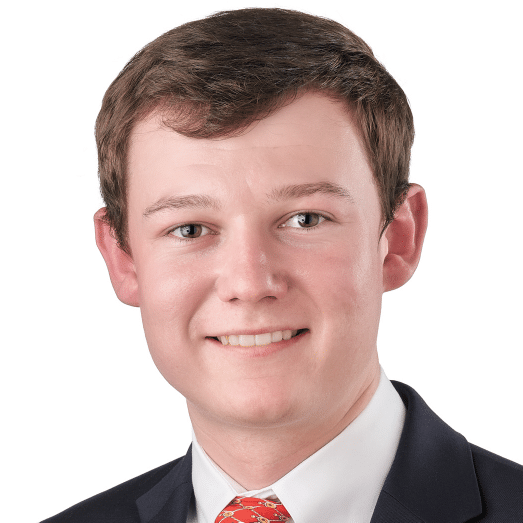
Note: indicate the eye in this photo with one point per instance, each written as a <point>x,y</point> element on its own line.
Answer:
<point>190,231</point>
<point>305,220</point>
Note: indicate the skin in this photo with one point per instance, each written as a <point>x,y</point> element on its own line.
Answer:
<point>254,267</point>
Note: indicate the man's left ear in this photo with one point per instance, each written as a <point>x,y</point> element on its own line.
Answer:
<point>405,236</point>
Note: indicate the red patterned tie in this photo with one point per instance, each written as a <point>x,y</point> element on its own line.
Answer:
<point>251,510</point>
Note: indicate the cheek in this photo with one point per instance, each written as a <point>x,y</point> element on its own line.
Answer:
<point>169,293</point>
<point>350,276</point>
<point>167,299</point>
<point>167,284</point>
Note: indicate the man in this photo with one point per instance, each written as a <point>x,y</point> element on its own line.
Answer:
<point>254,167</point>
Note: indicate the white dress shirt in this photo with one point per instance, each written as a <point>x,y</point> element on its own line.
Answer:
<point>340,483</point>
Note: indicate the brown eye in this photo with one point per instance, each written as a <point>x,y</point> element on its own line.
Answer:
<point>304,220</point>
<point>308,219</point>
<point>189,230</point>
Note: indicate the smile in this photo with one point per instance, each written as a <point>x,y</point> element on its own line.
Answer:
<point>257,340</point>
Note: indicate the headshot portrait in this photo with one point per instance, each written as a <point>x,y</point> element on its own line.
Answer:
<point>279,278</point>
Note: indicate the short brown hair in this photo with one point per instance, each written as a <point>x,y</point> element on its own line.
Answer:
<point>214,77</point>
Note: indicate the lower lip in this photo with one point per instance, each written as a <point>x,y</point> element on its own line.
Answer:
<point>256,351</point>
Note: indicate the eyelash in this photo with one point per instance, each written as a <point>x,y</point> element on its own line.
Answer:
<point>181,239</point>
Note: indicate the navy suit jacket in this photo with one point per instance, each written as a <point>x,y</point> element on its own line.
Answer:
<point>436,477</point>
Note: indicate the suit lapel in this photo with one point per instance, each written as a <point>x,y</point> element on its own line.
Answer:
<point>432,478</point>
<point>390,510</point>
<point>168,501</point>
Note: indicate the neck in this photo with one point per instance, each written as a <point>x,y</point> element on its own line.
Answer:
<point>256,457</point>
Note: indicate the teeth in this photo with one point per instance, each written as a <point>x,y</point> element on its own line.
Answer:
<point>246,340</point>
<point>276,336</point>
<point>262,339</point>
<point>258,340</point>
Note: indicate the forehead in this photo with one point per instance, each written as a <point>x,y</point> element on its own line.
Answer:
<point>312,139</point>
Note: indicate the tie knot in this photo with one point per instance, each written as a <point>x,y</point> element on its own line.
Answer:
<point>252,510</point>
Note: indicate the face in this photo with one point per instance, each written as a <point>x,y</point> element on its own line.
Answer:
<point>247,239</point>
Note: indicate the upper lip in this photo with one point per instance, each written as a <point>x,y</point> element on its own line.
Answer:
<point>253,332</point>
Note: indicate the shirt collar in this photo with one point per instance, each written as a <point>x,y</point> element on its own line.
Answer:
<point>340,482</point>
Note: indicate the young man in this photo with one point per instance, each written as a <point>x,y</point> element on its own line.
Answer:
<point>254,167</point>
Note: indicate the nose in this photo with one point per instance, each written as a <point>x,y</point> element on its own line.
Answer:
<point>249,269</point>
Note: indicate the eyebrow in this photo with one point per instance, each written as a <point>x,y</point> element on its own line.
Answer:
<point>290,192</point>
<point>191,201</point>
<point>286,192</point>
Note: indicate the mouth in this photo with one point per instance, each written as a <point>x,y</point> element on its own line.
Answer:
<point>257,340</point>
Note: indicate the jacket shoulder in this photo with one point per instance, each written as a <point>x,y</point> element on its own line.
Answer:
<point>501,486</point>
<point>116,505</point>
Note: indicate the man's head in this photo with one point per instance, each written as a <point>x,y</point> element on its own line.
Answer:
<point>214,77</point>
<point>242,233</point>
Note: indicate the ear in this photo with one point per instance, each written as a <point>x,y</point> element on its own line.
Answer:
<point>120,265</point>
<point>405,236</point>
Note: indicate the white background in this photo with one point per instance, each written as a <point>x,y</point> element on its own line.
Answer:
<point>83,407</point>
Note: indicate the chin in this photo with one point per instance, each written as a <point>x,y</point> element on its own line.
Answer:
<point>256,408</point>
